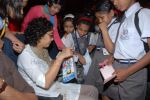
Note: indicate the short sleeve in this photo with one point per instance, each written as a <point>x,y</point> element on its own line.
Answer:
<point>144,22</point>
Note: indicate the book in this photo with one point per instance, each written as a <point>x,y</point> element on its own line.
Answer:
<point>69,70</point>
<point>107,73</point>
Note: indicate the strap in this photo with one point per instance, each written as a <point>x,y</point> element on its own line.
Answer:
<point>136,22</point>
<point>114,22</point>
<point>122,20</point>
<point>74,36</point>
<point>88,37</point>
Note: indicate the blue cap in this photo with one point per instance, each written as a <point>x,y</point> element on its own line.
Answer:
<point>1,23</point>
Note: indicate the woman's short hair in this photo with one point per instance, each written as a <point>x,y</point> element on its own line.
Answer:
<point>36,29</point>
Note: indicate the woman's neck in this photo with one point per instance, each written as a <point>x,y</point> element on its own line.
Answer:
<point>39,47</point>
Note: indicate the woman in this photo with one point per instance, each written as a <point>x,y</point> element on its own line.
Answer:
<point>11,10</point>
<point>40,71</point>
<point>48,11</point>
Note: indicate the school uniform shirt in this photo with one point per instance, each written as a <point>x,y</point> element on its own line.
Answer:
<point>113,26</point>
<point>68,41</point>
<point>129,43</point>
<point>112,30</point>
<point>33,70</point>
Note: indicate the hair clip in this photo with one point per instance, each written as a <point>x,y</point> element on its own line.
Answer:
<point>69,16</point>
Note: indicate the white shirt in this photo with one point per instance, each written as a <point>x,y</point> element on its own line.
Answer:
<point>129,44</point>
<point>113,30</point>
<point>69,42</point>
<point>33,70</point>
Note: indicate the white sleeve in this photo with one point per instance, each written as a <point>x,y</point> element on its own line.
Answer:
<point>144,22</point>
<point>30,66</point>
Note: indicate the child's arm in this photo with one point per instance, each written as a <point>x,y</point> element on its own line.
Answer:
<point>122,74</point>
<point>106,38</point>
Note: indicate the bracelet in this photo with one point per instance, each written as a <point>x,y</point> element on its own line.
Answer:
<point>3,87</point>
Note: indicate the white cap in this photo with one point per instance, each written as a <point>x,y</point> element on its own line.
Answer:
<point>69,16</point>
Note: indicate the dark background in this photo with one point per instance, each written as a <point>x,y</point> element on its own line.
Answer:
<point>76,6</point>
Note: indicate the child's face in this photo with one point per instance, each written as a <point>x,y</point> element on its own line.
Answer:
<point>122,5</point>
<point>68,27</point>
<point>83,29</point>
<point>54,9</point>
<point>104,16</point>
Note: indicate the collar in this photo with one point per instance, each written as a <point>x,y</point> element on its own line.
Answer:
<point>133,9</point>
<point>46,9</point>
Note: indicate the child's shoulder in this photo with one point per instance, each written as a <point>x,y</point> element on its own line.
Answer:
<point>145,11</point>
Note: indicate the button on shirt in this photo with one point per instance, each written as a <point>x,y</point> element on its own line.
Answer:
<point>129,44</point>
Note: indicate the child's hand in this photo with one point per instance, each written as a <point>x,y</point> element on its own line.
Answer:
<point>102,24</point>
<point>18,46</point>
<point>121,75</point>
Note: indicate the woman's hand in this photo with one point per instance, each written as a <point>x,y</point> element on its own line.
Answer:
<point>66,53</point>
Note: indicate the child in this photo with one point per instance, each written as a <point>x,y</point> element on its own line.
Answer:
<point>108,26</point>
<point>129,54</point>
<point>68,27</point>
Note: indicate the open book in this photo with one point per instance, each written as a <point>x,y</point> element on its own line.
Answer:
<point>107,73</point>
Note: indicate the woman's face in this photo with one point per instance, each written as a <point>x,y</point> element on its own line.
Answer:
<point>68,27</point>
<point>46,40</point>
<point>83,29</point>
<point>104,16</point>
<point>54,9</point>
<point>122,5</point>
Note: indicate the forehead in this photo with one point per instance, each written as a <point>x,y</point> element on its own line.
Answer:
<point>83,26</point>
<point>101,13</point>
<point>56,5</point>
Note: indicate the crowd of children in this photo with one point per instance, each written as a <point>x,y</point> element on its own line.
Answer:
<point>108,37</point>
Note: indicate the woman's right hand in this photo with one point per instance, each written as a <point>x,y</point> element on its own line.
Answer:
<point>66,53</point>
